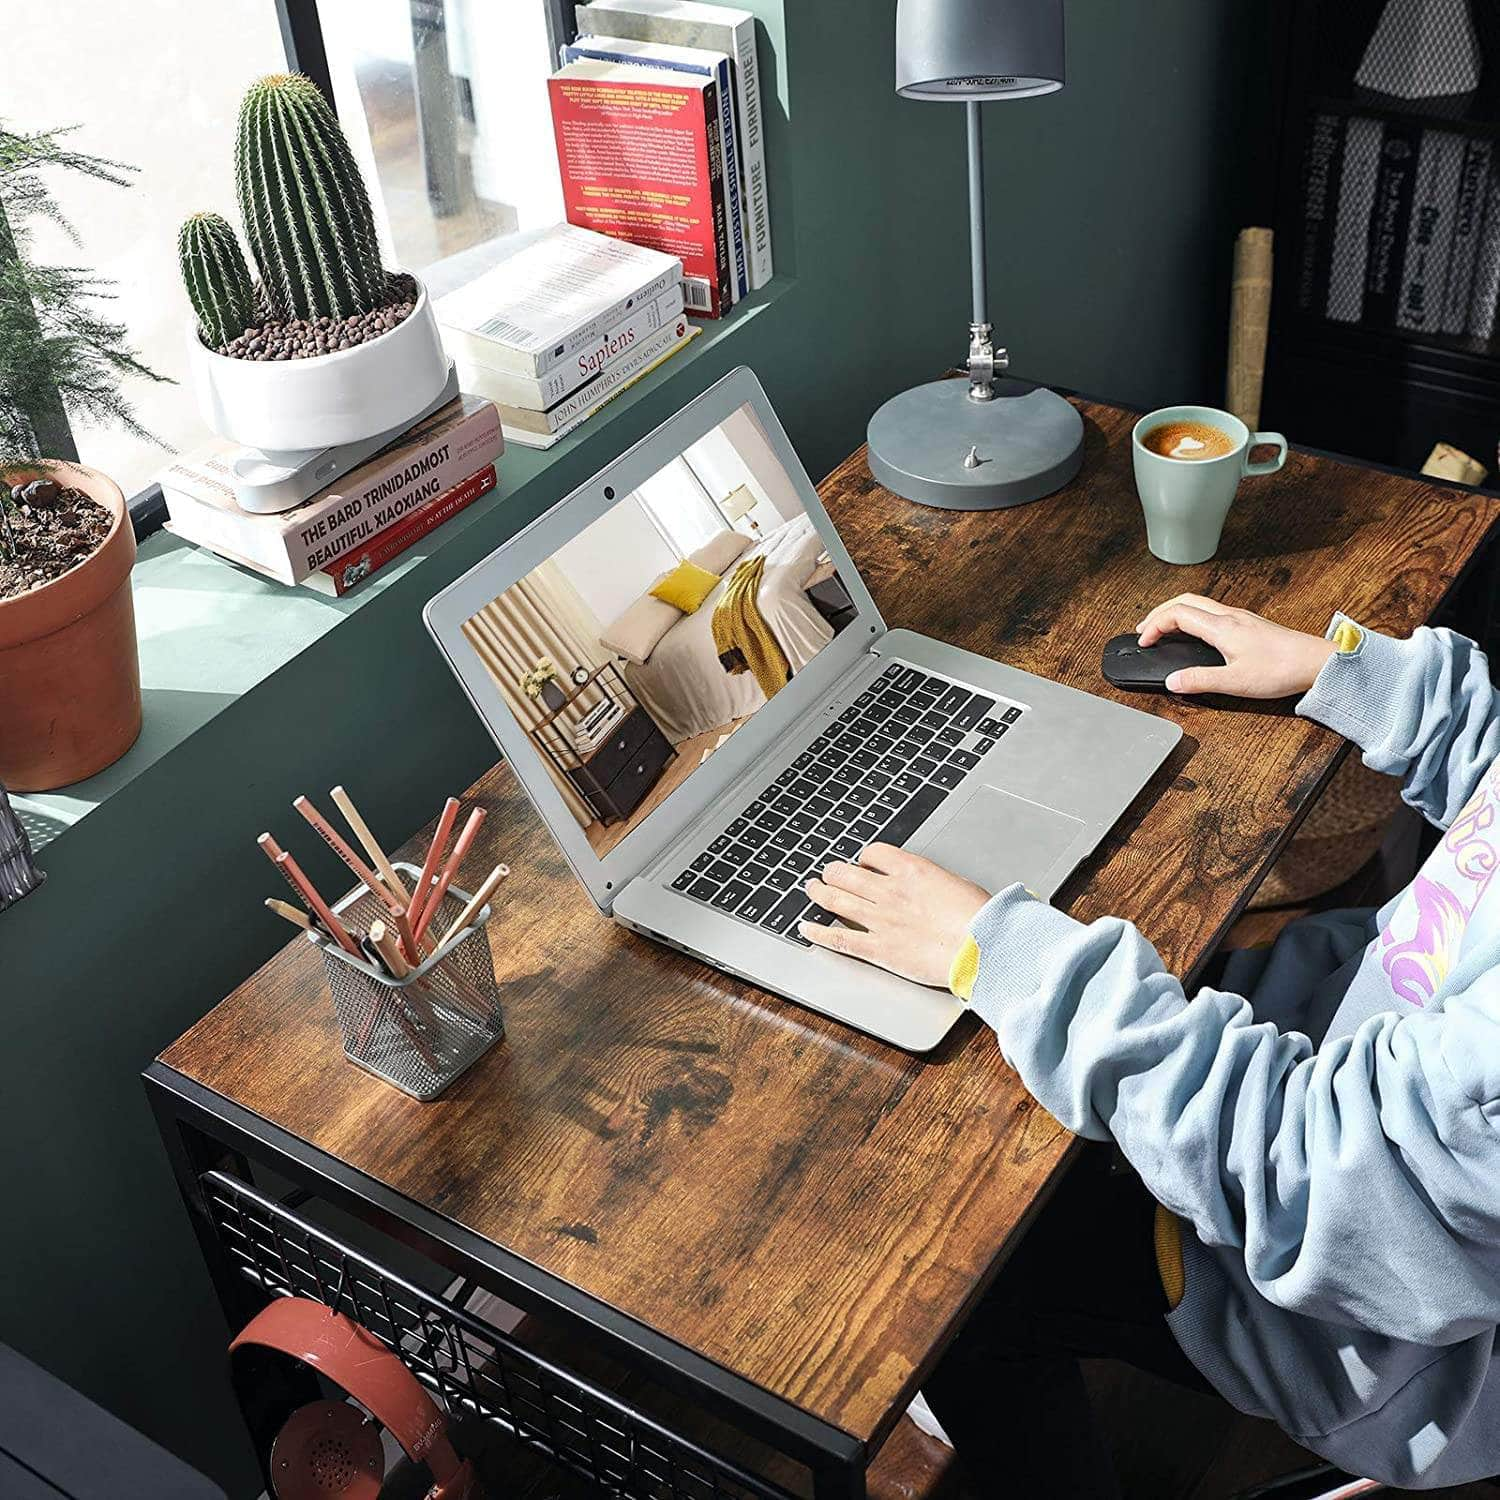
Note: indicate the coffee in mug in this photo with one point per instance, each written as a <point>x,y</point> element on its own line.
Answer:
<point>1189,461</point>
<point>1187,440</point>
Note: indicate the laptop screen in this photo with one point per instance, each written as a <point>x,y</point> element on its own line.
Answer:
<point>631,654</point>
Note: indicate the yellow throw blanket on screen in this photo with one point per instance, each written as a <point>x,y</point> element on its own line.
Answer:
<point>741,636</point>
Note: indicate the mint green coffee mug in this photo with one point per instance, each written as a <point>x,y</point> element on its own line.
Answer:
<point>1186,499</point>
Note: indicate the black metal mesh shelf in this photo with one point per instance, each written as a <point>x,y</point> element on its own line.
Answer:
<point>471,1366</point>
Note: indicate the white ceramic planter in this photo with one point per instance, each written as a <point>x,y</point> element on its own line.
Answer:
<point>290,405</point>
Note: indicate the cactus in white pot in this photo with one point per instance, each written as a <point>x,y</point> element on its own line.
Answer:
<point>328,347</point>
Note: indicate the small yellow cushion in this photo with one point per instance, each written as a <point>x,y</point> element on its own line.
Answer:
<point>686,587</point>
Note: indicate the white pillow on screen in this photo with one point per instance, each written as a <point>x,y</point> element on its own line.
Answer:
<point>636,633</point>
<point>717,553</point>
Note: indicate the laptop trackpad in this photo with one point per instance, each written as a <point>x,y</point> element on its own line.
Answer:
<point>994,838</point>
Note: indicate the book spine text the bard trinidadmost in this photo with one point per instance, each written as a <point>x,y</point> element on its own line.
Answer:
<point>460,440</point>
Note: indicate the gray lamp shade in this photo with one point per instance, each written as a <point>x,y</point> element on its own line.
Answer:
<point>978,49</point>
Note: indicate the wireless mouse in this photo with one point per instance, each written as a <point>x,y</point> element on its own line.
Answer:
<point>1145,669</point>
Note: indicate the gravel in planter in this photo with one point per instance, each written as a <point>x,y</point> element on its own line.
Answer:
<point>47,528</point>
<point>306,338</point>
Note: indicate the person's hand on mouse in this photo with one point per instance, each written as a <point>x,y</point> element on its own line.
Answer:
<point>910,916</point>
<point>1261,659</point>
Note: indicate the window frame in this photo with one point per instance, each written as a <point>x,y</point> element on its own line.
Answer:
<point>302,37</point>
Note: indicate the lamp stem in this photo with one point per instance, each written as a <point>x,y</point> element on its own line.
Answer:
<point>984,358</point>
<point>977,260</point>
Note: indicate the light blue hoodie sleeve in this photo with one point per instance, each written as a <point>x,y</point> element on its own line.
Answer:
<point>1357,1179</point>
<point>1423,709</point>
<point>1357,1182</point>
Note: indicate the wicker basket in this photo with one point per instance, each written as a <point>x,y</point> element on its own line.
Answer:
<point>1336,840</point>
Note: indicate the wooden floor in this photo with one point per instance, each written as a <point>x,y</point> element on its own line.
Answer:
<point>604,836</point>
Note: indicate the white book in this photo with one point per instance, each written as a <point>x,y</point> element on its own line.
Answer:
<point>702,62</point>
<point>716,28</point>
<point>537,393</point>
<point>1424,275</point>
<point>544,303</point>
<point>1486,292</point>
<point>1468,226</point>
<point>1351,231</point>
<point>580,406</point>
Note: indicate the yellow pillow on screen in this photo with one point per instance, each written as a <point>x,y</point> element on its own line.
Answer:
<point>686,587</point>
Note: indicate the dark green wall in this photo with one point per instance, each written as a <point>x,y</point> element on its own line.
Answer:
<point>1113,218</point>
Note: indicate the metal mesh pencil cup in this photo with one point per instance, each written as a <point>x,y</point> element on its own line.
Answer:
<point>421,1032</point>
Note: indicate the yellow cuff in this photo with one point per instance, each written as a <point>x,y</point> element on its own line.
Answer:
<point>964,970</point>
<point>1347,637</point>
<point>1168,1237</point>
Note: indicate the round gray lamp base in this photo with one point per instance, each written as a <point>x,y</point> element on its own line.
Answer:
<point>1028,442</point>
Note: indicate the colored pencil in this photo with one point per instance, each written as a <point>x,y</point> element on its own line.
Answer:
<point>369,843</point>
<point>461,847</point>
<point>403,1019</point>
<point>293,914</point>
<point>440,838</point>
<point>487,888</point>
<point>362,872</point>
<point>292,873</point>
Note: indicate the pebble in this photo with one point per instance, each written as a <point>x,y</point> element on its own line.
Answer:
<point>38,492</point>
<point>306,338</point>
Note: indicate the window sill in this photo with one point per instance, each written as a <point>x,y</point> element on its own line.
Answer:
<point>210,632</point>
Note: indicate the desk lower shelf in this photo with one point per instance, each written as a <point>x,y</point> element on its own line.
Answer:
<point>475,1369</point>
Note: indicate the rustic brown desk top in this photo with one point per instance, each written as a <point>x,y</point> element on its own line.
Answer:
<point>807,1207</point>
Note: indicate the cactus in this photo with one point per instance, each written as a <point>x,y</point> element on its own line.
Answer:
<point>216,277</point>
<point>303,203</point>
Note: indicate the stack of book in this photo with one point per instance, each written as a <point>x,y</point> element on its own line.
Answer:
<point>595,727</point>
<point>360,522</point>
<point>657,114</point>
<point>554,331</point>
<point>1401,227</point>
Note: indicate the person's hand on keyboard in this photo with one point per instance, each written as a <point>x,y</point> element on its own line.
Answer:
<point>1261,659</point>
<point>908,915</point>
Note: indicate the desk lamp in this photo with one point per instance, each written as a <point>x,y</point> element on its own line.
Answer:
<point>989,442</point>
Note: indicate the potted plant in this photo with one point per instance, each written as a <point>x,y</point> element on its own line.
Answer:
<point>70,698</point>
<point>329,347</point>
<point>541,682</point>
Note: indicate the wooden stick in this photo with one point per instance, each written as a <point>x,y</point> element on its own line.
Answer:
<point>362,872</point>
<point>307,892</point>
<point>461,847</point>
<point>368,842</point>
<point>294,914</point>
<point>385,944</point>
<point>440,837</point>
<point>398,966</point>
<point>487,888</point>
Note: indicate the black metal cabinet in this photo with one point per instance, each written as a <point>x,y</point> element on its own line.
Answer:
<point>615,778</point>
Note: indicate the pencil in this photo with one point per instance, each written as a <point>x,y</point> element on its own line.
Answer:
<point>445,823</point>
<point>384,941</point>
<point>292,873</point>
<point>362,872</point>
<point>403,1020</point>
<point>487,888</point>
<point>368,842</point>
<point>461,846</point>
<point>295,915</point>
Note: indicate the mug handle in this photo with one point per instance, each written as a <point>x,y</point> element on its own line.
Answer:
<point>1268,465</point>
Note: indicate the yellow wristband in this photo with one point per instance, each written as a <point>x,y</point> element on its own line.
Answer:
<point>964,970</point>
<point>1347,637</point>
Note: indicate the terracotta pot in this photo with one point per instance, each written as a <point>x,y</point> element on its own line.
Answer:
<point>70,680</point>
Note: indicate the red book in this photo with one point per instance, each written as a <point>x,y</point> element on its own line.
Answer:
<point>642,160</point>
<point>339,576</point>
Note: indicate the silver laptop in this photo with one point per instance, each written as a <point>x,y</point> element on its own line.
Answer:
<point>699,760</point>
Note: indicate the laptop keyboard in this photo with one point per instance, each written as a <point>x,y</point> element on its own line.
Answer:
<point>877,773</point>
